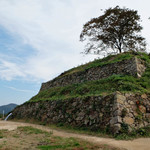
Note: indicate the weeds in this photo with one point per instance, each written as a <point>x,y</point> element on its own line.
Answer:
<point>31,130</point>
<point>2,133</point>
<point>94,88</point>
<point>32,138</point>
<point>141,132</point>
<point>122,83</point>
<point>99,63</point>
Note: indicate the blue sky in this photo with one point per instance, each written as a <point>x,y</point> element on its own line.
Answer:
<point>39,39</point>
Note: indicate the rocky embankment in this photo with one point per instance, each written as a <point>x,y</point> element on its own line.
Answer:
<point>114,112</point>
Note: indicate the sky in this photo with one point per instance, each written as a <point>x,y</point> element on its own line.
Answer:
<point>39,39</point>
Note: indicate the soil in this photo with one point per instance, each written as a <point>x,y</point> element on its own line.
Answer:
<point>137,144</point>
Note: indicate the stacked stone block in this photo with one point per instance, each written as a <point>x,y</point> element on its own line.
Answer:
<point>93,112</point>
<point>133,66</point>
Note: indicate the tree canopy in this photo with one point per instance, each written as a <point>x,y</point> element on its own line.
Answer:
<point>115,31</point>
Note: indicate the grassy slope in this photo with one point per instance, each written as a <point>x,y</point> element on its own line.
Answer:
<point>99,87</point>
<point>97,63</point>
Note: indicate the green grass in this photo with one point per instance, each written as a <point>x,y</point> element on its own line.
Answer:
<point>51,142</point>
<point>123,135</point>
<point>73,144</point>
<point>99,62</point>
<point>95,88</point>
<point>1,115</point>
<point>62,143</point>
<point>82,130</point>
<point>71,129</point>
<point>28,137</point>
<point>143,132</point>
<point>139,133</point>
<point>31,130</point>
<point>2,133</point>
<point>122,83</point>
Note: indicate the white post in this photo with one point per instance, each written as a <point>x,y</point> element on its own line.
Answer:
<point>3,114</point>
<point>8,116</point>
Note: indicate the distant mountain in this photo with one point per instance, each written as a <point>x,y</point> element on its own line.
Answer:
<point>7,108</point>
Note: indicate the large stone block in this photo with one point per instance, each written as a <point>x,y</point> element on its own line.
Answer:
<point>128,120</point>
<point>119,98</point>
<point>115,120</point>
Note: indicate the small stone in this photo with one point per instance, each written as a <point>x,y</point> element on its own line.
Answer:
<point>116,106</point>
<point>127,94</point>
<point>140,125</point>
<point>132,125</point>
<point>119,98</point>
<point>148,116</point>
<point>101,115</point>
<point>92,117</point>
<point>81,114</point>
<point>142,109</point>
<point>115,120</point>
<point>116,128</point>
<point>134,108</point>
<point>102,110</point>
<point>126,103</point>
<point>79,118</point>
<point>132,103</point>
<point>148,108</point>
<point>138,75</point>
<point>131,115</point>
<point>117,113</point>
<point>144,96</point>
<point>146,123</point>
<point>130,129</point>
<point>86,121</point>
<point>69,120</point>
<point>128,106</point>
<point>74,104</point>
<point>128,110</point>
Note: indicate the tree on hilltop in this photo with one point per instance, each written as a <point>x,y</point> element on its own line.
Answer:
<point>116,31</point>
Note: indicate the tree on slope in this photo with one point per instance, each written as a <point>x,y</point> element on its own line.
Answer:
<point>115,31</point>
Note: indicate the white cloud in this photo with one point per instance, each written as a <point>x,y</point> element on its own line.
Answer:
<point>9,70</point>
<point>52,29</point>
<point>19,90</point>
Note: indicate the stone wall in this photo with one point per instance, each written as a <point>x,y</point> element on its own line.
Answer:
<point>131,110</point>
<point>134,67</point>
<point>107,113</point>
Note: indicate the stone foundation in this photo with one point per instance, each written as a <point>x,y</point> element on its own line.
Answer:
<point>95,112</point>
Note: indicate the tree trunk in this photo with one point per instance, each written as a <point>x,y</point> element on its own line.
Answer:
<point>120,51</point>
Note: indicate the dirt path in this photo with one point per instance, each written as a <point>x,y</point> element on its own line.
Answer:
<point>138,144</point>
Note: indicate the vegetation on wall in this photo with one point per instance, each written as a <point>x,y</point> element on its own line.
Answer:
<point>99,63</point>
<point>122,83</point>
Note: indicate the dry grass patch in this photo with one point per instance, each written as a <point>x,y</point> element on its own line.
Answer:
<point>35,139</point>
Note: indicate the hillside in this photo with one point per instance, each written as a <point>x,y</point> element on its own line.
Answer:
<point>127,82</point>
<point>7,108</point>
<point>110,94</point>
